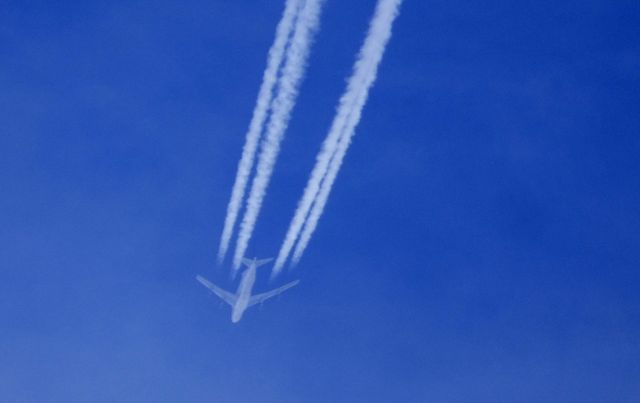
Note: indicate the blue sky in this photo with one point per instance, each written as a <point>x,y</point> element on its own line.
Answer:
<point>481,244</point>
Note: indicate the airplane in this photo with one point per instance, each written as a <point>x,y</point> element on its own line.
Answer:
<point>243,299</point>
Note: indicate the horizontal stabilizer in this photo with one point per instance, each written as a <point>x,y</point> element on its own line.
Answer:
<point>257,262</point>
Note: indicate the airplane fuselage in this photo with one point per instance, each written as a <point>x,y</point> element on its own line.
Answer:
<point>244,293</point>
<point>243,299</point>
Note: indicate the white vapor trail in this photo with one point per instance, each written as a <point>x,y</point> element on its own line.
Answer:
<point>325,189</point>
<point>335,146</point>
<point>265,95</point>
<point>293,70</point>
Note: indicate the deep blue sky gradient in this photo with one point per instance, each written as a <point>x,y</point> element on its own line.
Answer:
<point>481,244</point>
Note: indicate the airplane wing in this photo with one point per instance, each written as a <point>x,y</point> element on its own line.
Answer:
<point>259,298</point>
<point>226,296</point>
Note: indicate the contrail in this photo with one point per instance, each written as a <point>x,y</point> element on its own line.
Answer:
<point>339,137</point>
<point>323,195</point>
<point>318,174</point>
<point>265,95</point>
<point>293,70</point>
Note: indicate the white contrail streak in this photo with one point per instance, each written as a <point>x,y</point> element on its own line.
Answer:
<point>293,70</point>
<point>323,195</point>
<point>318,176</point>
<point>265,95</point>
<point>342,130</point>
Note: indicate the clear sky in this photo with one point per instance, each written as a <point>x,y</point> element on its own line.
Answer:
<point>481,244</point>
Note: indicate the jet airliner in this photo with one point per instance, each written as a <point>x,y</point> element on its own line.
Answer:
<point>243,299</point>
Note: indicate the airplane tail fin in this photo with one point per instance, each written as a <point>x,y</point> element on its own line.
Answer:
<point>258,262</point>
